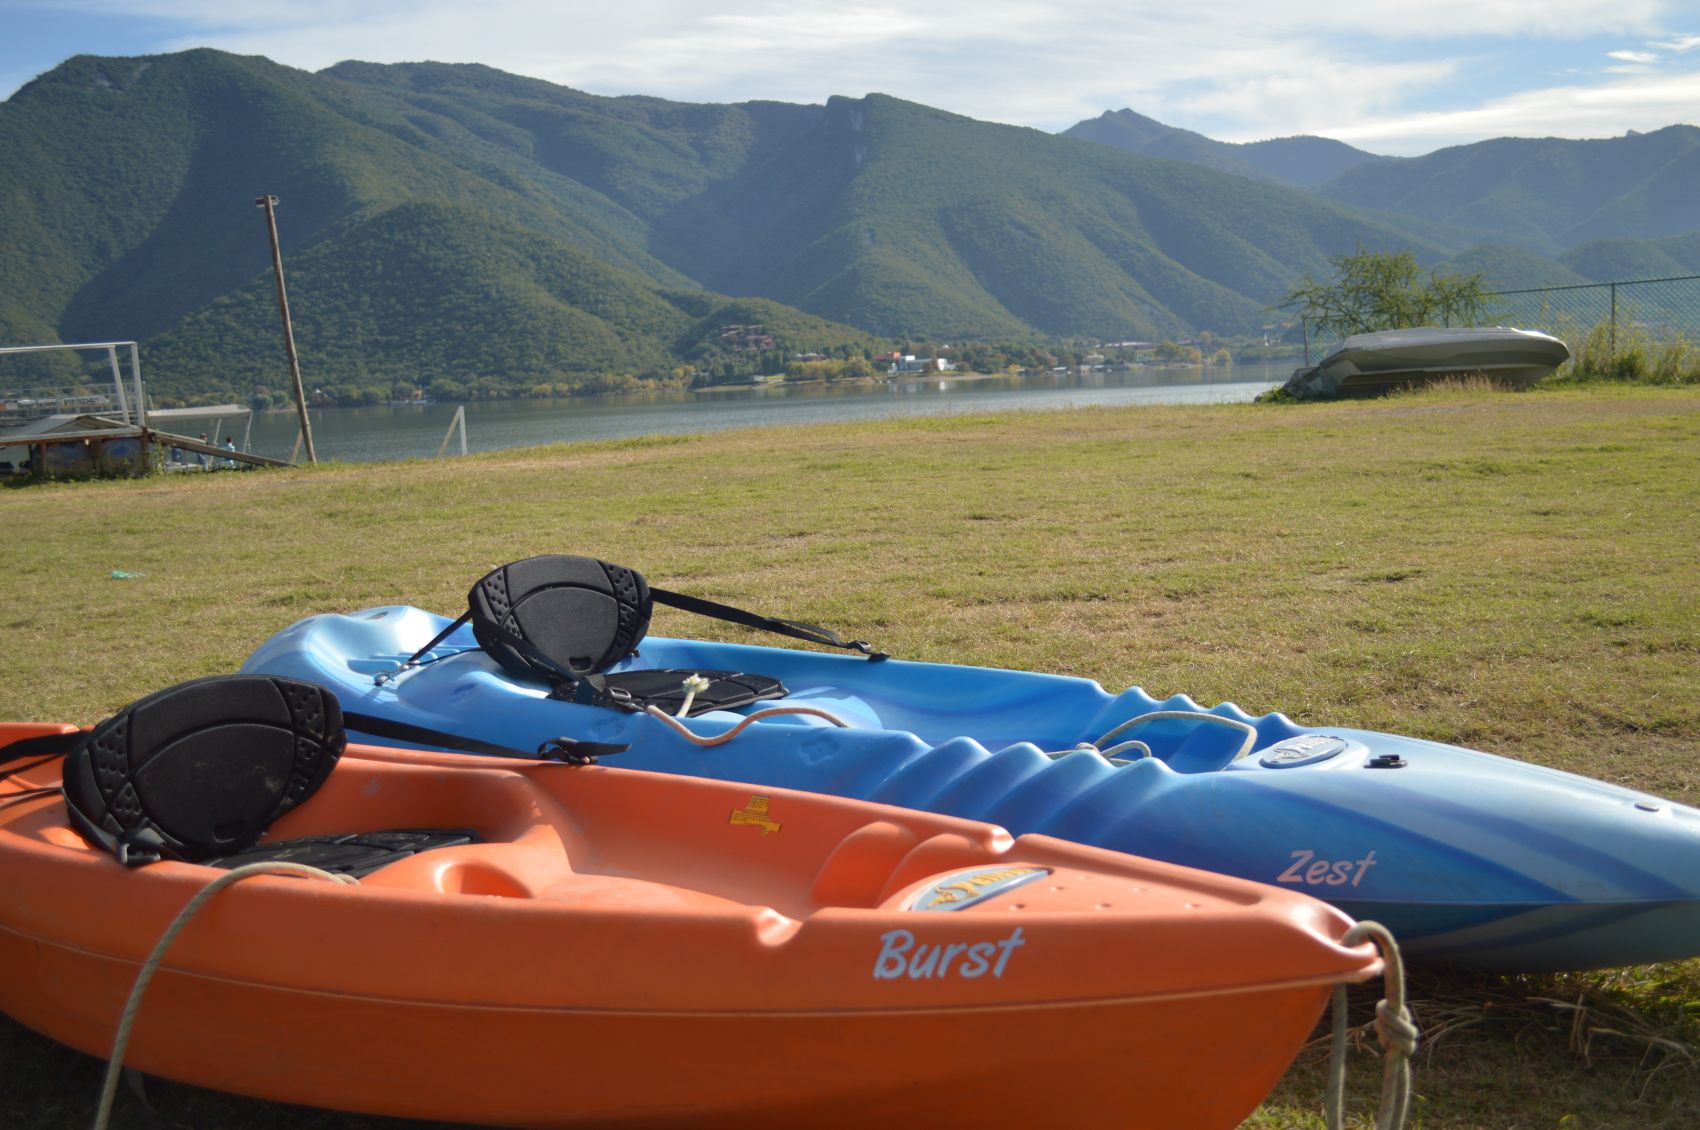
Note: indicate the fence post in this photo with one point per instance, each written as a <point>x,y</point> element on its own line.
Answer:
<point>459,421</point>
<point>1612,353</point>
<point>1671,317</point>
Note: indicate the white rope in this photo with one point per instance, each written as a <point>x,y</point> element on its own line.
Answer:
<point>1114,752</point>
<point>1246,747</point>
<point>694,686</point>
<point>1393,1028</point>
<point>1109,755</point>
<point>115,1065</point>
<point>720,739</point>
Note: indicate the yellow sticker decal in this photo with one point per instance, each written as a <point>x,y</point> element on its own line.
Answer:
<point>755,814</point>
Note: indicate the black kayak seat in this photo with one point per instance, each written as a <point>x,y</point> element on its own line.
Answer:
<point>199,771</point>
<point>566,620</point>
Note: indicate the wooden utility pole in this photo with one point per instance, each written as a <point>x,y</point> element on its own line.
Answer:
<point>269,203</point>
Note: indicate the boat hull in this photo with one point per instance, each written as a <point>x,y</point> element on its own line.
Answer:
<point>1473,860</point>
<point>1377,363</point>
<point>618,952</point>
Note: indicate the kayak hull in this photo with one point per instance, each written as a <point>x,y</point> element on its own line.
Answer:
<point>548,1068</point>
<point>1472,860</point>
<point>621,949</point>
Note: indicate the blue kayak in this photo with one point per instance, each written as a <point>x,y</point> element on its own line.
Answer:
<point>1471,859</point>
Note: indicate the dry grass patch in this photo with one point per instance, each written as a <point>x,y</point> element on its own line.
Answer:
<point>1514,572</point>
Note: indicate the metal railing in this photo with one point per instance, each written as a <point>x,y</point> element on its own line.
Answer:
<point>130,406</point>
<point>23,405</point>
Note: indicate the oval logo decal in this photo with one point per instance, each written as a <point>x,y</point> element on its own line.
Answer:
<point>966,888</point>
<point>1304,750</point>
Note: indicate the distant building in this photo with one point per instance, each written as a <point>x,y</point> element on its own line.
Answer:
<point>909,363</point>
<point>746,337</point>
<point>92,445</point>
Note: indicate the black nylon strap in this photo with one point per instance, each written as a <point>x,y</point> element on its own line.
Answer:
<point>44,748</point>
<point>413,660</point>
<point>135,848</point>
<point>537,656</point>
<point>810,633</point>
<point>42,745</point>
<point>559,749</point>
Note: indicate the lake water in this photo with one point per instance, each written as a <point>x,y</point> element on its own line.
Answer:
<point>409,431</point>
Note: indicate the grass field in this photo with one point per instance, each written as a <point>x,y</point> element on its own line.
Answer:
<point>1517,573</point>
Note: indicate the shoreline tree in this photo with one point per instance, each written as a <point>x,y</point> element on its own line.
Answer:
<point>1384,290</point>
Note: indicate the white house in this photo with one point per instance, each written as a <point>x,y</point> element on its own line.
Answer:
<point>908,363</point>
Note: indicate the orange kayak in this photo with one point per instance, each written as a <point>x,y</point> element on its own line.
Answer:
<point>615,947</point>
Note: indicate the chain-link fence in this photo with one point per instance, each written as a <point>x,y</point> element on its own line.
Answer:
<point>1644,324</point>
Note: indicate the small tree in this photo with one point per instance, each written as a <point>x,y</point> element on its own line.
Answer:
<point>1381,290</point>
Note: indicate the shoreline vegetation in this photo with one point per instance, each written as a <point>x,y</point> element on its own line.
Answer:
<point>779,364</point>
<point>1599,353</point>
<point>1510,573</point>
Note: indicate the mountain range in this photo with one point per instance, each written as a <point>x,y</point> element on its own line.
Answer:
<point>1304,161</point>
<point>1548,194</point>
<point>456,223</point>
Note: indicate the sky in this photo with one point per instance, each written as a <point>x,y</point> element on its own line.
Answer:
<point>1399,77</point>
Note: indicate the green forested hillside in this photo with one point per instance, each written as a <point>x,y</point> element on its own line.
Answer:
<point>405,294</point>
<point>1137,133</point>
<point>416,248</point>
<point>1303,160</point>
<point>137,179</point>
<point>1685,249</point>
<point>1306,160</point>
<point>458,225</point>
<point>1547,193</point>
<point>424,293</point>
<point>899,218</point>
<point>1606,260</point>
<point>1506,266</point>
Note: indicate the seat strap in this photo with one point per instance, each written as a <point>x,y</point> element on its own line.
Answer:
<point>796,629</point>
<point>42,749</point>
<point>555,749</point>
<point>131,848</point>
<point>42,745</point>
<point>413,660</point>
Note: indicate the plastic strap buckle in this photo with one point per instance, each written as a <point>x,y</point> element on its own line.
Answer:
<point>575,752</point>
<point>138,848</point>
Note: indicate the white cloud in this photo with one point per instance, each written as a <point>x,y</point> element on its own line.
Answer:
<point>1605,110</point>
<point>1242,69</point>
<point>1680,44</point>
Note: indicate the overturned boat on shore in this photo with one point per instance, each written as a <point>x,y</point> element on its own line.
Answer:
<point>1373,364</point>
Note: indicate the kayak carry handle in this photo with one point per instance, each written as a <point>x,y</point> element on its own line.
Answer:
<point>1246,747</point>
